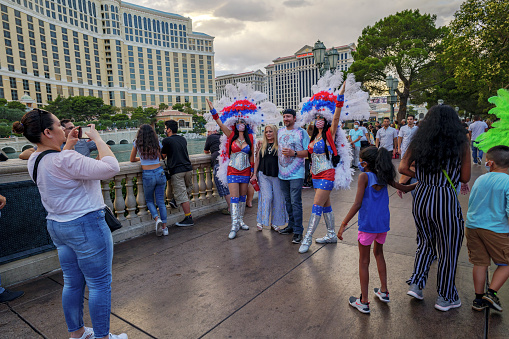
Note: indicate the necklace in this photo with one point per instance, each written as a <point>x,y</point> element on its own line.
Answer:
<point>269,148</point>
<point>241,142</point>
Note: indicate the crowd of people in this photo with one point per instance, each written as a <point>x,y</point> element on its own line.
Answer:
<point>435,160</point>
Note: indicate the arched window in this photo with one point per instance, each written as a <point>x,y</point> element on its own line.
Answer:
<point>171,26</point>
<point>184,27</point>
<point>145,23</point>
<point>126,23</point>
<point>112,9</point>
<point>89,8</point>
<point>84,6</point>
<point>167,30</point>
<point>180,27</point>
<point>139,23</point>
<point>182,123</point>
<point>79,5</point>
<point>130,20</point>
<point>135,17</point>
<point>163,28</point>
<point>149,24</point>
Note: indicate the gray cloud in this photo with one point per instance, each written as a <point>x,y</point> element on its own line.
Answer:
<point>220,27</point>
<point>246,10</point>
<point>249,34</point>
<point>296,3</point>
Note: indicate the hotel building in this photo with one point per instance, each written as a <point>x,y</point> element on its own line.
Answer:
<point>289,79</point>
<point>124,53</point>
<point>257,79</point>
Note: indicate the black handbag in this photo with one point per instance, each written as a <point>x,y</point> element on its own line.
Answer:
<point>167,171</point>
<point>336,159</point>
<point>112,221</point>
<point>109,217</point>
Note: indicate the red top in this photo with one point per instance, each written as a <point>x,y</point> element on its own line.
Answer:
<point>236,148</point>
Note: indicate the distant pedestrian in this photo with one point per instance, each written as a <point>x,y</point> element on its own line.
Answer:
<point>372,203</point>
<point>487,228</point>
<point>181,170</point>
<point>405,135</point>
<point>354,136</point>
<point>212,147</point>
<point>440,151</point>
<point>364,139</point>
<point>387,137</point>
<point>477,128</point>
<point>147,150</point>
<point>271,201</point>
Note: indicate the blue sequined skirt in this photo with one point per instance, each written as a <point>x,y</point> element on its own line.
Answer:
<point>238,179</point>
<point>323,184</point>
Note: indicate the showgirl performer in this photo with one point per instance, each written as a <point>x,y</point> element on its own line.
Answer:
<point>241,112</point>
<point>329,149</point>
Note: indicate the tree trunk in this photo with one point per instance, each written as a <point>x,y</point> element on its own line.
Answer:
<point>403,99</point>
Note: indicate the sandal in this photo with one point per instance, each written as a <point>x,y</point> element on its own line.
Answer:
<point>259,226</point>
<point>275,228</point>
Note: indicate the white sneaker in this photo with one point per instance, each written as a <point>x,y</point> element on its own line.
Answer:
<point>118,336</point>
<point>165,231</point>
<point>259,226</point>
<point>88,334</point>
<point>159,227</point>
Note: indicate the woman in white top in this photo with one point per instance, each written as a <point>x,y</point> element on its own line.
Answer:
<point>70,188</point>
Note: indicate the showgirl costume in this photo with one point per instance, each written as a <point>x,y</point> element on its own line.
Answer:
<point>241,101</point>
<point>326,176</point>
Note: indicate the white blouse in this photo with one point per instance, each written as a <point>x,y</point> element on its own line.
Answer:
<point>70,183</point>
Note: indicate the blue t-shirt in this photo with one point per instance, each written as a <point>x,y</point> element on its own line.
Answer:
<point>488,205</point>
<point>354,134</point>
<point>297,139</point>
<point>374,215</point>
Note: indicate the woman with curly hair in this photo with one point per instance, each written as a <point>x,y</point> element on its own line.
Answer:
<point>440,150</point>
<point>148,147</point>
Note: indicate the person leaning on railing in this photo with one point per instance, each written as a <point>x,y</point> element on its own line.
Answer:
<point>70,188</point>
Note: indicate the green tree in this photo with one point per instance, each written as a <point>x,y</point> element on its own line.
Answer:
<point>404,44</point>
<point>163,106</point>
<point>16,105</point>
<point>178,107</point>
<point>119,117</point>
<point>199,123</point>
<point>10,114</point>
<point>3,101</point>
<point>476,50</point>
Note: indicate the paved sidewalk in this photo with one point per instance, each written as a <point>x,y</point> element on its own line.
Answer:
<point>196,283</point>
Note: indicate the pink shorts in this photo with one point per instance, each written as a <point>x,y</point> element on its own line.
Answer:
<point>366,239</point>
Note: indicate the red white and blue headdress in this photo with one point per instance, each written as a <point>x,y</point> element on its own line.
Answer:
<point>323,103</point>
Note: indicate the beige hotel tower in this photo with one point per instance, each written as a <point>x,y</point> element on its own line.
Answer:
<point>124,53</point>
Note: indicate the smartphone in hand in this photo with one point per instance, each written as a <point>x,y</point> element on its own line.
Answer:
<point>81,132</point>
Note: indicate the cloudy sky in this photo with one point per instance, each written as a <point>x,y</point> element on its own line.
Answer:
<point>249,34</point>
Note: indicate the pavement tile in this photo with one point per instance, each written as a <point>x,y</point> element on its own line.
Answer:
<point>12,327</point>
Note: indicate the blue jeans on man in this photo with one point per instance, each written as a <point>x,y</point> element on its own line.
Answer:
<point>476,152</point>
<point>292,191</point>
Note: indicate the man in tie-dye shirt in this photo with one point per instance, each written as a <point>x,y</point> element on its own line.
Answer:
<point>293,144</point>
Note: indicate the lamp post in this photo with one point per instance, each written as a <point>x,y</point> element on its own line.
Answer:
<point>392,84</point>
<point>440,101</point>
<point>325,60</point>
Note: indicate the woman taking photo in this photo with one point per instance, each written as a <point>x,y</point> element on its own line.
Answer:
<point>70,188</point>
<point>148,147</point>
<point>271,197</point>
<point>440,150</point>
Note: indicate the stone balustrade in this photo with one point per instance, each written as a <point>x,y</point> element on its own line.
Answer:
<point>124,195</point>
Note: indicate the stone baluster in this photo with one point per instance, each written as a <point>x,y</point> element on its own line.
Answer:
<point>106,194</point>
<point>140,198</point>
<point>169,191</point>
<point>201,182</point>
<point>209,172</point>
<point>130,199</point>
<point>119,202</point>
<point>215,194</point>
<point>196,188</point>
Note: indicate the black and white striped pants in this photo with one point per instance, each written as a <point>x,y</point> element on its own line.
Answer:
<point>440,229</point>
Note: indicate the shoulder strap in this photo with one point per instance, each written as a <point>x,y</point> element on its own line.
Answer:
<point>449,179</point>
<point>38,160</point>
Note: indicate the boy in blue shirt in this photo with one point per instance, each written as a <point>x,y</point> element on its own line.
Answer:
<point>488,228</point>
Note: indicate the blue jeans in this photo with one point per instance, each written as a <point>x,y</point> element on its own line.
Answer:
<point>292,191</point>
<point>85,251</point>
<point>154,181</point>
<point>475,154</point>
<point>1,288</point>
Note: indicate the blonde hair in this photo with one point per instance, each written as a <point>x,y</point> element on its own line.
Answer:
<point>265,142</point>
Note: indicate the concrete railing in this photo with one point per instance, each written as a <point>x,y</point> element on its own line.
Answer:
<point>124,195</point>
